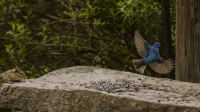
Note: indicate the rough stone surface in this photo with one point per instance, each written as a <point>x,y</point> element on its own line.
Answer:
<point>93,89</point>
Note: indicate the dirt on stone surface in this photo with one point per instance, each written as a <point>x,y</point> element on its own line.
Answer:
<point>158,92</point>
<point>123,83</point>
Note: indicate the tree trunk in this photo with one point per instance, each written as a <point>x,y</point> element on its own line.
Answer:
<point>188,40</point>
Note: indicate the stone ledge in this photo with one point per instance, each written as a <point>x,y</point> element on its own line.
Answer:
<point>84,88</point>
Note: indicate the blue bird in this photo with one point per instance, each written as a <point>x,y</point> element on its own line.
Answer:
<point>151,56</point>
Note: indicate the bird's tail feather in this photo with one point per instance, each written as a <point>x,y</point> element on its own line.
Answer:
<point>139,65</point>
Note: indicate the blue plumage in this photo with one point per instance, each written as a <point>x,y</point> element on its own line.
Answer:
<point>151,56</point>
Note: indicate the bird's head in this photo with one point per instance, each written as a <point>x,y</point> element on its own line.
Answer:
<point>156,45</point>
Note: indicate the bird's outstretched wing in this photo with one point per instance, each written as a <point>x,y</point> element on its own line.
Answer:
<point>141,44</point>
<point>162,66</point>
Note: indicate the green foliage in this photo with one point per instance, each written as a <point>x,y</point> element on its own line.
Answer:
<point>41,36</point>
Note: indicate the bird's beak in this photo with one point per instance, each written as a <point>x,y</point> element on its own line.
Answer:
<point>159,43</point>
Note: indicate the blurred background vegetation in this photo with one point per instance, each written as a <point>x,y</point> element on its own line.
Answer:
<point>40,36</point>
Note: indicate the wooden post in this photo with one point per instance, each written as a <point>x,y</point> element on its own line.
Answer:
<point>188,40</point>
